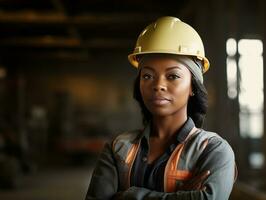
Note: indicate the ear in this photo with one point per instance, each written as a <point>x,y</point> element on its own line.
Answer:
<point>191,93</point>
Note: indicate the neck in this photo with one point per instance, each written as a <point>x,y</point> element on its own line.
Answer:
<point>166,127</point>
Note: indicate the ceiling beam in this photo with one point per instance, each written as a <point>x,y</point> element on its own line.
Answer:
<point>44,41</point>
<point>65,42</point>
<point>33,17</point>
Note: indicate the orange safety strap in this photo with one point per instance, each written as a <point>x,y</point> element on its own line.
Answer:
<point>132,153</point>
<point>171,173</point>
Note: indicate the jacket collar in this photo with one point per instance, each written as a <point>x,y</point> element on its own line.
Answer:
<point>181,134</point>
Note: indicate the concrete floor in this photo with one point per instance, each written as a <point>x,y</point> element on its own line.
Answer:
<point>52,184</point>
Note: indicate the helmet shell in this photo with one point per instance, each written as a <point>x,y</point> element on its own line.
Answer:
<point>171,36</point>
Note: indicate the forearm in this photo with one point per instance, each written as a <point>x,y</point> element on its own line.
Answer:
<point>219,159</point>
<point>104,181</point>
<point>137,193</point>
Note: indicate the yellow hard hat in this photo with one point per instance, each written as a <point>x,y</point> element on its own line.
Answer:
<point>172,36</point>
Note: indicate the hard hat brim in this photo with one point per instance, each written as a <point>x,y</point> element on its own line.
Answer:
<point>135,62</point>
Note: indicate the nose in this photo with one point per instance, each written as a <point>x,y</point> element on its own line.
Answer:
<point>159,85</point>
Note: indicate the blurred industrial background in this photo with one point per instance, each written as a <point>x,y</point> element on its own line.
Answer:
<point>66,87</point>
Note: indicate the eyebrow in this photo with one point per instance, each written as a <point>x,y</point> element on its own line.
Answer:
<point>173,67</point>
<point>168,69</point>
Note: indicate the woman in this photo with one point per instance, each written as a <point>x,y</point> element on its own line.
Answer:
<point>170,158</point>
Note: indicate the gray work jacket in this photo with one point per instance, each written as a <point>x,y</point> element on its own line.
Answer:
<point>201,151</point>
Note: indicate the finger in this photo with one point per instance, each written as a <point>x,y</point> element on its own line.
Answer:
<point>193,185</point>
<point>204,175</point>
<point>203,188</point>
<point>201,177</point>
<point>197,181</point>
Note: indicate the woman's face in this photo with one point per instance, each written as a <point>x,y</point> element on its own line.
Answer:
<point>165,85</point>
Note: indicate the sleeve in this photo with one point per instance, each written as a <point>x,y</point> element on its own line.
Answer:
<point>104,180</point>
<point>218,157</point>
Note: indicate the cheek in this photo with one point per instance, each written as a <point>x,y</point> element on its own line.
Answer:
<point>143,89</point>
<point>182,89</point>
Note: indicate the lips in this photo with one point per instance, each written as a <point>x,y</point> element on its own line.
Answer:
<point>160,100</point>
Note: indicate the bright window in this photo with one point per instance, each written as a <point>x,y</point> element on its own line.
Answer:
<point>250,83</point>
<point>231,68</point>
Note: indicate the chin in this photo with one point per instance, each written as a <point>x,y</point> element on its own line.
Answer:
<point>166,112</point>
<point>160,112</point>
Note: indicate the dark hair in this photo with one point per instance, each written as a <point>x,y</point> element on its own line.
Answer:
<point>197,104</point>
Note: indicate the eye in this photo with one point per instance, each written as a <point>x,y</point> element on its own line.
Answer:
<point>173,76</point>
<point>146,76</point>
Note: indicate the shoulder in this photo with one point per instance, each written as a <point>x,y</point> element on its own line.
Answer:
<point>205,142</point>
<point>215,144</point>
<point>214,139</point>
<point>128,136</point>
<point>125,139</point>
<point>201,138</point>
<point>206,150</point>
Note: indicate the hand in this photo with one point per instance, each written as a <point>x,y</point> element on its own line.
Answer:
<point>196,182</point>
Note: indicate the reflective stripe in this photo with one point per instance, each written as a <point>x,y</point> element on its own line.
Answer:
<point>170,183</point>
<point>180,174</point>
<point>131,156</point>
<point>131,153</point>
<point>204,144</point>
<point>175,175</point>
<point>171,172</point>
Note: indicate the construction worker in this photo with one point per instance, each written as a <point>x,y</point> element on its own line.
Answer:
<point>172,157</point>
